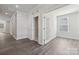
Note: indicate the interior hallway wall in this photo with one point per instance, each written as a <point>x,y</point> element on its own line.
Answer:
<point>4,26</point>
<point>13,25</point>
<point>7,26</point>
<point>5,20</point>
<point>22,25</point>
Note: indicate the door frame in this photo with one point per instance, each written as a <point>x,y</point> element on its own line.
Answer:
<point>35,28</point>
<point>39,29</point>
<point>41,41</point>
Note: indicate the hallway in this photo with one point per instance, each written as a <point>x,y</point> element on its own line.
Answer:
<point>58,46</point>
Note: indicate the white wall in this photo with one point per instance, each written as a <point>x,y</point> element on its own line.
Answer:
<point>66,10</point>
<point>13,25</point>
<point>29,27</point>
<point>22,25</point>
<point>7,26</point>
<point>50,27</point>
<point>73,26</point>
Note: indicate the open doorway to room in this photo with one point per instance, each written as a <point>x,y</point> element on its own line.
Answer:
<point>36,28</point>
<point>4,30</point>
<point>2,26</point>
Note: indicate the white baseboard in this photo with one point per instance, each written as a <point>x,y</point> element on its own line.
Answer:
<point>21,37</point>
<point>71,37</point>
<point>50,39</point>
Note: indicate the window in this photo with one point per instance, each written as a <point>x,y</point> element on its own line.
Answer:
<point>64,24</point>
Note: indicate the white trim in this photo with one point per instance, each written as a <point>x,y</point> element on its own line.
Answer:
<point>39,25</point>
<point>21,37</point>
<point>67,36</point>
<point>47,41</point>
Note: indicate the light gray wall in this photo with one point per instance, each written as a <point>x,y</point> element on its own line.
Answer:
<point>67,10</point>
<point>5,20</point>
<point>7,26</point>
<point>73,26</point>
<point>13,25</point>
<point>22,25</point>
<point>50,27</point>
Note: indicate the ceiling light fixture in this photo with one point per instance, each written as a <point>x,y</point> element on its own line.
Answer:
<point>17,6</point>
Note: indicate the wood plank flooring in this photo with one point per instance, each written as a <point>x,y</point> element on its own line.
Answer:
<point>58,46</point>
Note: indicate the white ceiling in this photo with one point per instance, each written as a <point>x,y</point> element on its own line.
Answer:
<point>44,8</point>
<point>11,8</point>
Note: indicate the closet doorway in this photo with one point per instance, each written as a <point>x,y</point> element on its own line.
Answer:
<point>36,28</point>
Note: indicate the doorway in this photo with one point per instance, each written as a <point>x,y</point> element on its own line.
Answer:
<point>36,28</point>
